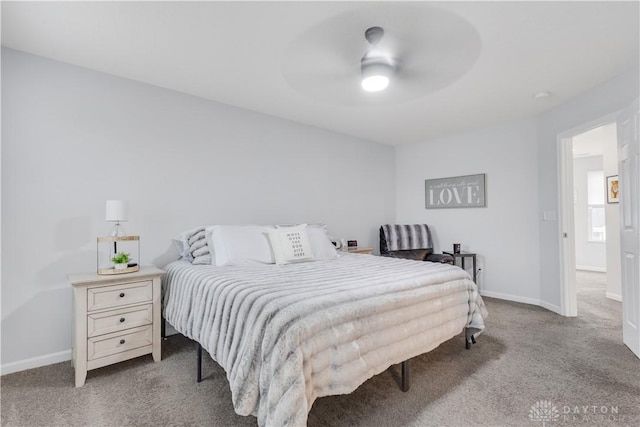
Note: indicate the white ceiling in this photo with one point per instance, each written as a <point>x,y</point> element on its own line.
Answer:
<point>467,64</point>
<point>591,143</point>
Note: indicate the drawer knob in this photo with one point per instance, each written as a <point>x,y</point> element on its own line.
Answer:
<point>121,341</point>
<point>121,294</point>
<point>121,319</point>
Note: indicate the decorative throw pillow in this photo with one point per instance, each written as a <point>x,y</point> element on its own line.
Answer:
<point>203,250</point>
<point>198,244</point>
<point>320,242</point>
<point>202,260</point>
<point>291,244</point>
<point>193,246</point>
<point>181,242</point>
<point>197,236</point>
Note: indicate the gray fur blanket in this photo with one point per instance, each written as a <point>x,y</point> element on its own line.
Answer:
<point>407,237</point>
<point>289,334</point>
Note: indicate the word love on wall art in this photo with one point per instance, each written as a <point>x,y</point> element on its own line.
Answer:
<point>456,192</point>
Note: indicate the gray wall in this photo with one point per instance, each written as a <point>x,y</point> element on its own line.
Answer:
<point>504,234</point>
<point>73,138</point>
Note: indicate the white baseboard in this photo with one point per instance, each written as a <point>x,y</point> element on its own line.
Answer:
<point>524,300</point>
<point>551,307</point>
<point>35,362</point>
<point>50,359</point>
<point>614,297</point>
<point>509,297</point>
<point>587,268</point>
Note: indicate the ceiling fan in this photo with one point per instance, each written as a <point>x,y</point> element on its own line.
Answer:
<point>411,49</point>
<point>377,66</point>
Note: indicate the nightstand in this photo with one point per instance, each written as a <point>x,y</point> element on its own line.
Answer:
<point>117,317</point>
<point>359,250</point>
<point>462,256</point>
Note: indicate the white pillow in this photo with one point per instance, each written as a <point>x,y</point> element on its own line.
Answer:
<point>291,244</point>
<point>320,243</point>
<point>241,244</point>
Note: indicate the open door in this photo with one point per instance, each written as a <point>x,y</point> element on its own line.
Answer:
<point>629,165</point>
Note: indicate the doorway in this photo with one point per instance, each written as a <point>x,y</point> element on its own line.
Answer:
<point>596,214</point>
<point>590,226</point>
<point>628,135</point>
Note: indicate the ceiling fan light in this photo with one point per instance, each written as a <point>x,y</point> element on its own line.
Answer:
<point>376,74</point>
<point>375,83</point>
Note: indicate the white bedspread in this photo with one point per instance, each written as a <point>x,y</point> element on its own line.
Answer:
<point>289,334</point>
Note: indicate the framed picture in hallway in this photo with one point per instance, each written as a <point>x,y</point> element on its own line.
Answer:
<point>612,189</point>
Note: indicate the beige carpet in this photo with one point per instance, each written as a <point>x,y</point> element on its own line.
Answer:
<point>527,355</point>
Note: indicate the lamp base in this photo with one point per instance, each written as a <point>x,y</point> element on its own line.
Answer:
<point>117,230</point>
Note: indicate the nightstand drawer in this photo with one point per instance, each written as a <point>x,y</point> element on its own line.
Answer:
<point>116,296</point>
<point>118,320</point>
<point>106,345</point>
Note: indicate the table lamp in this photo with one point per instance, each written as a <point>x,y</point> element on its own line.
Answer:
<point>117,210</point>
<point>118,253</point>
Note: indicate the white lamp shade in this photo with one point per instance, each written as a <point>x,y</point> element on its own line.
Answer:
<point>117,210</point>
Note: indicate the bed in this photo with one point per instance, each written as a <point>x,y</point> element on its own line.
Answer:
<point>288,334</point>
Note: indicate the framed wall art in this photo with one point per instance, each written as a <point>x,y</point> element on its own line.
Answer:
<point>612,189</point>
<point>467,191</point>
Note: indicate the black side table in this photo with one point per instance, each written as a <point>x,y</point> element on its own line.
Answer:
<point>462,256</point>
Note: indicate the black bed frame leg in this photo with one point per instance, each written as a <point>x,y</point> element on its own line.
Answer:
<point>467,344</point>
<point>405,376</point>
<point>199,375</point>
<point>468,339</point>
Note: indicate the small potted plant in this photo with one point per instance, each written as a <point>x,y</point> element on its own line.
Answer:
<point>120,260</point>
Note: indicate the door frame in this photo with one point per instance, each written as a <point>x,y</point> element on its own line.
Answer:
<point>566,219</point>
